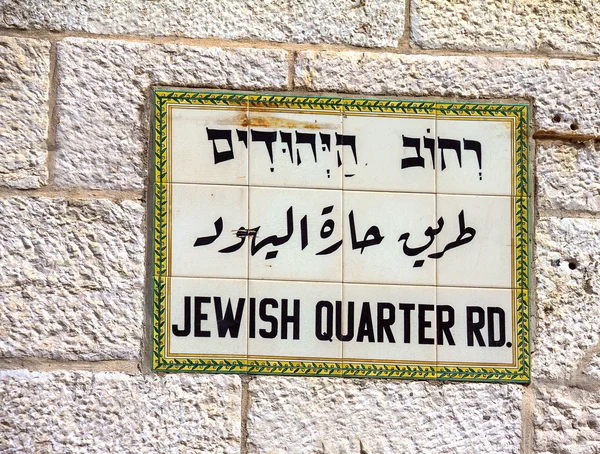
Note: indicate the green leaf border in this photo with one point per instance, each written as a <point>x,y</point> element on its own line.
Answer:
<point>520,114</point>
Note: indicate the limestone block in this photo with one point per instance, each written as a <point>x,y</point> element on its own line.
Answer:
<point>85,412</point>
<point>593,367</point>
<point>569,26</point>
<point>24,81</point>
<point>299,415</point>
<point>374,23</point>
<point>566,421</point>
<point>564,92</point>
<point>71,278</point>
<point>568,289</point>
<point>568,175</point>
<point>104,100</point>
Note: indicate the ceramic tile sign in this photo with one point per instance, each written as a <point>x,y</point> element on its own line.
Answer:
<point>313,235</point>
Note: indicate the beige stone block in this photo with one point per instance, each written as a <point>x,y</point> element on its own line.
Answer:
<point>299,415</point>
<point>568,175</point>
<point>566,420</point>
<point>374,23</point>
<point>104,100</point>
<point>86,412</point>
<point>568,289</point>
<point>71,278</point>
<point>569,26</point>
<point>563,92</point>
<point>24,81</point>
<point>593,367</point>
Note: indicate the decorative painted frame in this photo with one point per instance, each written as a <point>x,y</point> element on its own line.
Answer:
<point>160,229</point>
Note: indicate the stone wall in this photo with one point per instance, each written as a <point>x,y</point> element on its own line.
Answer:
<point>75,78</point>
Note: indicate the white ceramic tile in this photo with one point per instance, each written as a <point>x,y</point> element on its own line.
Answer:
<point>478,254</point>
<point>477,327</point>
<point>208,145</point>
<point>474,156</point>
<point>303,338</point>
<point>307,223</point>
<point>391,323</point>
<point>293,149</point>
<point>379,220</point>
<point>204,224</point>
<point>207,317</point>
<point>392,153</point>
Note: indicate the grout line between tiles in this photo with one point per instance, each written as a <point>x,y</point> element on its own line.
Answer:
<point>435,210</point>
<point>343,226</point>
<point>398,192</point>
<point>349,283</point>
<point>245,396</point>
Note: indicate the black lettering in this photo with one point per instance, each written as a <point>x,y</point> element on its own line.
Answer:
<point>229,322</point>
<point>328,333</point>
<point>443,326</point>
<point>415,161</point>
<point>429,143</point>
<point>492,341</point>
<point>242,135</point>
<point>252,321</point>
<point>199,316</point>
<point>424,324</point>
<point>220,134</point>
<point>365,325</point>
<point>187,303</point>
<point>307,138</point>
<point>286,138</point>
<point>475,146</point>
<point>341,140</point>
<point>325,141</point>
<point>384,323</point>
<point>338,322</point>
<point>407,308</point>
<point>304,231</point>
<point>268,137</point>
<point>294,319</point>
<point>449,144</point>
<point>262,312</point>
<point>474,328</point>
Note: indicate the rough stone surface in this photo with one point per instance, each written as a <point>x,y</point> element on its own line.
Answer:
<point>374,23</point>
<point>84,412</point>
<point>71,278</point>
<point>566,421</point>
<point>565,26</point>
<point>299,415</point>
<point>564,92</point>
<point>104,94</point>
<point>592,369</point>
<point>568,300</point>
<point>24,73</point>
<point>568,175</point>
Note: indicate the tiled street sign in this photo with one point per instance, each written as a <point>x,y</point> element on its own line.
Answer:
<point>313,235</point>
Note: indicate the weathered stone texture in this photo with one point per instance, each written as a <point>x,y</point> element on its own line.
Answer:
<point>564,92</point>
<point>569,26</point>
<point>83,412</point>
<point>299,415</point>
<point>104,90</point>
<point>24,80</point>
<point>566,421</point>
<point>592,369</point>
<point>374,23</point>
<point>568,175</point>
<point>71,278</point>
<point>568,309</point>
